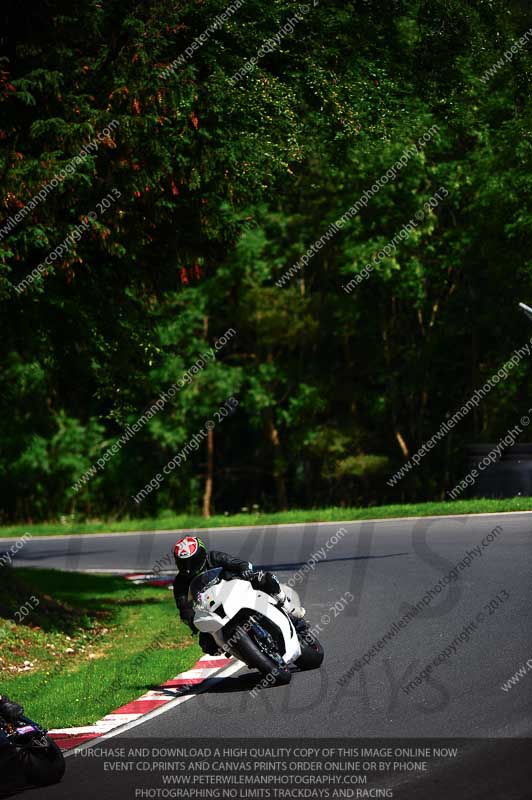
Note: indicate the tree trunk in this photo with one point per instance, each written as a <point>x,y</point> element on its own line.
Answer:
<point>402,444</point>
<point>278,462</point>
<point>209,475</point>
<point>207,494</point>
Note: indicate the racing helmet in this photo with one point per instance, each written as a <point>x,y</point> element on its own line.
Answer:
<point>190,555</point>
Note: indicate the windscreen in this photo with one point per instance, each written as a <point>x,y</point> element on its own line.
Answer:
<point>203,581</point>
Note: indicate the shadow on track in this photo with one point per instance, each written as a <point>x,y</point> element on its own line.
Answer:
<point>298,564</point>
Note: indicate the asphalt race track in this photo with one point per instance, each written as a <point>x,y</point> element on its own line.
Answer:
<point>387,567</point>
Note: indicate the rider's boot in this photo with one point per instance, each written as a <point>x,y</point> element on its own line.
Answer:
<point>295,614</point>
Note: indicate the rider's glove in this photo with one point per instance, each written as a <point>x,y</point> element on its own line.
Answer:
<point>9,710</point>
<point>247,575</point>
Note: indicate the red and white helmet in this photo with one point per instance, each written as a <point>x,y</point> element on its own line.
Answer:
<point>190,555</point>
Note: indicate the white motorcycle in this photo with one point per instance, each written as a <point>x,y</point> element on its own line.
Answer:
<point>249,625</point>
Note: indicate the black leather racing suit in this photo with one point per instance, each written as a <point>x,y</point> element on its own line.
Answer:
<point>265,581</point>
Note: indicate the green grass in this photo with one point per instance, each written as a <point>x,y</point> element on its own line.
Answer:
<point>192,522</point>
<point>125,640</point>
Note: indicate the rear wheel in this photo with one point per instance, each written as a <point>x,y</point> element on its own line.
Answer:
<point>250,653</point>
<point>311,652</point>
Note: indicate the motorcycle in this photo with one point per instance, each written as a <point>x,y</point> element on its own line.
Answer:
<point>248,624</point>
<point>33,758</point>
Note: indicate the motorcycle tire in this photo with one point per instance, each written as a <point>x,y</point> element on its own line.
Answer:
<point>247,651</point>
<point>312,653</point>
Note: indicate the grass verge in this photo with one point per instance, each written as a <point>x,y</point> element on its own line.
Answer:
<point>194,522</point>
<point>90,644</point>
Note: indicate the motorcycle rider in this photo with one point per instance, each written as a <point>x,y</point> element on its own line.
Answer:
<point>192,557</point>
<point>9,761</point>
<point>9,710</point>
<point>28,764</point>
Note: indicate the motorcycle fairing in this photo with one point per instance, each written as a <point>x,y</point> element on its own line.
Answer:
<point>222,602</point>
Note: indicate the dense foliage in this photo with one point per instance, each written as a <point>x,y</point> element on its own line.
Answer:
<point>216,187</point>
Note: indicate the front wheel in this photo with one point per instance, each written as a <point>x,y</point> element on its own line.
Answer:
<point>44,764</point>
<point>247,651</point>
